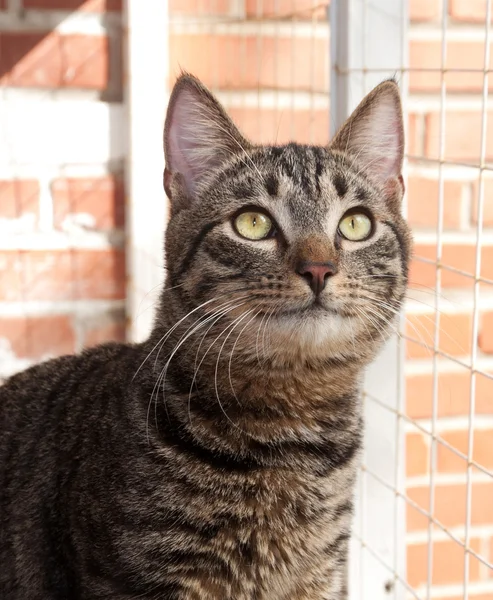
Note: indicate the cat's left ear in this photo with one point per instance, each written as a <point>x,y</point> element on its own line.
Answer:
<point>198,137</point>
<point>374,135</point>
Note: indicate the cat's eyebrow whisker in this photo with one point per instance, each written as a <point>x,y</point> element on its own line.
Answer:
<point>243,150</point>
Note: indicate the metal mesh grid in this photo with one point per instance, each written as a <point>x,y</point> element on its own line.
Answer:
<point>469,292</point>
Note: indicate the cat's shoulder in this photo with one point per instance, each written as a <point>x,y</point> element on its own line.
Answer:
<point>106,361</point>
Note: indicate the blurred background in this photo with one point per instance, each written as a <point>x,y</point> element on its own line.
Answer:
<point>83,91</point>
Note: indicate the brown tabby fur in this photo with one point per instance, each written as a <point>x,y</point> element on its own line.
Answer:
<point>217,459</point>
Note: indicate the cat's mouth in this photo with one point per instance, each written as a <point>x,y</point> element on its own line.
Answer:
<point>314,309</point>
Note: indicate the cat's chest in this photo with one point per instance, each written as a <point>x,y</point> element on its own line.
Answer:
<point>281,543</point>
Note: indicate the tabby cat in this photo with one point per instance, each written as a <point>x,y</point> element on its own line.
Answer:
<point>217,459</point>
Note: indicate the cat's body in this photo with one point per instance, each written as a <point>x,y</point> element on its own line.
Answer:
<point>95,511</point>
<point>217,459</point>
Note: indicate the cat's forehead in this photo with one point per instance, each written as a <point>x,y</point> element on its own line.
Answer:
<point>305,182</point>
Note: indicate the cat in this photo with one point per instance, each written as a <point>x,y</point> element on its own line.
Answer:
<point>217,459</point>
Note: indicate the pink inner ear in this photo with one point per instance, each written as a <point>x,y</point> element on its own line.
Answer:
<point>377,140</point>
<point>178,142</point>
<point>181,130</point>
<point>192,139</point>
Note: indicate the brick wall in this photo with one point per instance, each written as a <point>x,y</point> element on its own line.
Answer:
<point>61,207</point>
<point>462,144</point>
<point>62,267</point>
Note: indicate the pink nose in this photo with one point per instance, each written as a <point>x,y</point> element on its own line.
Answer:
<point>316,274</point>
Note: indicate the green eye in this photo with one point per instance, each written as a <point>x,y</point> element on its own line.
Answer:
<point>253,225</point>
<point>355,227</point>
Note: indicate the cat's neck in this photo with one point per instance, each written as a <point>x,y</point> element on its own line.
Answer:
<point>254,401</point>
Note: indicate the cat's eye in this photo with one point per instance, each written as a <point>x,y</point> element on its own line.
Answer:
<point>253,225</point>
<point>356,227</point>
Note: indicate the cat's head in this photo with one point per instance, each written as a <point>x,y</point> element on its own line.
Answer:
<point>304,246</point>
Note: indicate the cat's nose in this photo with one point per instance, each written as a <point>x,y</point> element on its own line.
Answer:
<point>316,274</point>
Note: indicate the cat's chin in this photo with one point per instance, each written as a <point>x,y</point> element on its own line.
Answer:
<point>313,329</point>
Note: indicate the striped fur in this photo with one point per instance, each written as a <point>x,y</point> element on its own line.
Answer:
<point>217,459</point>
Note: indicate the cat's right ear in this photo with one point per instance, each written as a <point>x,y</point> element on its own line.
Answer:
<point>198,137</point>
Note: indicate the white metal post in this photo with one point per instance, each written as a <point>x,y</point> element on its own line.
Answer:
<point>146,81</point>
<point>368,45</point>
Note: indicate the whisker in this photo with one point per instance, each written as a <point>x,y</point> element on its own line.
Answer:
<point>166,335</point>
<point>200,364</point>
<point>232,352</point>
<point>198,324</point>
<point>235,324</point>
<point>271,314</point>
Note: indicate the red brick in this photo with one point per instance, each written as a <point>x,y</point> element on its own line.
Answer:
<point>417,455</point>
<point>453,395</point>
<point>18,197</point>
<point>53,60</point>
<point>197,8</point>
<point>487,204</point>
<point>457,256</point>
<point>448,563</point>
<point>465,55</point>
<point>62,274</point>
<point>105,332</point>
<point>37,337</point>
<point>422,196</point>
<point>455,335</point>
<point>424,10</point>
<point>448,462</point>
<point>462,136</point>
<point>101,199</point>
<point>295,9</point>
<point>81,5</point>
<point>486,333</point>
<point>236,62</point>
<point>281,126</point>
<point>468,10</point>
<point>450,505</point>
<point>299,10</point>
<point>413,137</point>
<point>471,597</point>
